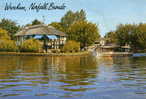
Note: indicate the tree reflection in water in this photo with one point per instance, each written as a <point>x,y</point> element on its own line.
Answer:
<point>66,73</point>
<point>70,76</point>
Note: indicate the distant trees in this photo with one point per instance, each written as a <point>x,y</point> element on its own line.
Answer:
<point>132,34</point>
<point>9,26</point>
<point>36,22</point>
<point>111,37</point>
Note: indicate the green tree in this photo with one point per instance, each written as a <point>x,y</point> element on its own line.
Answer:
<point>71,17</point>
<point>124,32</point>
<point>9,26</point>
<point>138,37</point>
<point>84,32</point>
<point>4,35</point>
<point>57,25</point>
<point>111,37</point>
<point>6,44</point>
<point>132,34</point>
<point>36,22</point>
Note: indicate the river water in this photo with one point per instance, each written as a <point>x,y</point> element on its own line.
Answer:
<point>72,77</point>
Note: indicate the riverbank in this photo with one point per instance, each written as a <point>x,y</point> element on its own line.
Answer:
<point>114,54</point>
<point>42,54</point>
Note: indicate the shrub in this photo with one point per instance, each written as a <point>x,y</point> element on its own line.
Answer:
<point>8,46</point>
<point>71,46</point>
<point>55,50</point>
<point>4,34</point>
<point>31,45</point>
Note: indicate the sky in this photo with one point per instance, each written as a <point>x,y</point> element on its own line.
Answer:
<point>107,14</point>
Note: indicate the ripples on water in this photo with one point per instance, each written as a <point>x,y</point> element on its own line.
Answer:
<point>74,77</point>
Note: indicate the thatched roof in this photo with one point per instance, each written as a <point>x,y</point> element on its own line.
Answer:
<point>39,30</point>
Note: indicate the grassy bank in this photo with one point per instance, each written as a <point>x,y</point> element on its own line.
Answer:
<point>42,54</point>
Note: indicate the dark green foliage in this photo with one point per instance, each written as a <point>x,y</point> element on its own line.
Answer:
<point>132,34</point>
<point>36,22</point>
<point>9,26</point>
<point>111,37</point>
<point>77,28</point>
<point>71,17</point>
<point>57,25</point>
<point>124,33</point>
<point>84,32</point>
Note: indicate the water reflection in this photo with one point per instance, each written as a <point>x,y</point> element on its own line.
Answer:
<point>72,76</point>
<point>58,73</point>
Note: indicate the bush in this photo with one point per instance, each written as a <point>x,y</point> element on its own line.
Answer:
<point>31,45</point>
<point>55,50</point>
<point>71,46</point>
<point>4,34</point>
<point>8,46</point>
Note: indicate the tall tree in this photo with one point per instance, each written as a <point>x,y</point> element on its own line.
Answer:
<point>123,33</point>
<point>84,32</point>
<point>138,37</point>
<point>57,25</point>
<point>71,17</point>
<point>9,26</point>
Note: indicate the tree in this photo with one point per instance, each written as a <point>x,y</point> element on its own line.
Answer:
<point>71,17</point>
<point>111,37</point>
<point>36,22</point>
<point>57,25</point>
<point>4,35</point>
<point>138,37</point>
<point>9,26</point>
<point>6,44</point>
<point>84,32</point>
<point>124,32</point>
<point>132,34</point>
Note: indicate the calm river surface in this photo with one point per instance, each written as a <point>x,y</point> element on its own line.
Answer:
<point>72,77</point>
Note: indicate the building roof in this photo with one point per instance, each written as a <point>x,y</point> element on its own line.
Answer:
<point>39,30</point>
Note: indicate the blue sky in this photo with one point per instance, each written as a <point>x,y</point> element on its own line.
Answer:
<point>106,13</point>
